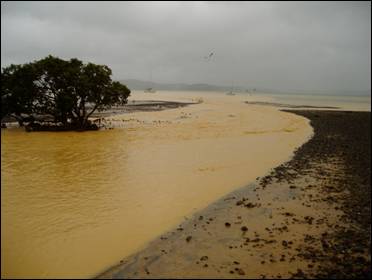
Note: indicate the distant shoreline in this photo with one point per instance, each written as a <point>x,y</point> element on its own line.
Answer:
<point>141,85</point>
<point>310,217</point>
<point>289,105</point>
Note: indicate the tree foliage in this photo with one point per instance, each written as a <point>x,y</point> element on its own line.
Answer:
<point>69,91</point>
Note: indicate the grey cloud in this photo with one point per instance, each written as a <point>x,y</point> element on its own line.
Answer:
<point>285,45</point>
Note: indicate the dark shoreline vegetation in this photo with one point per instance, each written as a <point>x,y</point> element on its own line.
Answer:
<point>329,180</point>
<point>53,94</point>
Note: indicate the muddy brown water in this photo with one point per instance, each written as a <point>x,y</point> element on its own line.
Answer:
<point>73,204</point>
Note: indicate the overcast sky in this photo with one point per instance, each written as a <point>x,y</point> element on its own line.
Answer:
<point>285,45</point>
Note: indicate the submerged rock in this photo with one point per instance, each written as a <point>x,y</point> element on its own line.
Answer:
<point>244,228</point>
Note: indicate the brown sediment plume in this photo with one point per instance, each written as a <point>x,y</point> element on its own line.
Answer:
<point>75,203</point>
<point>308,218</point>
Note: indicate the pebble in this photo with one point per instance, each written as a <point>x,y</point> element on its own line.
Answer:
<point>204,258</point>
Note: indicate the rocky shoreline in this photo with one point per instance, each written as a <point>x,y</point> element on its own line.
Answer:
<point>341,139</point>
<point>308,218</point>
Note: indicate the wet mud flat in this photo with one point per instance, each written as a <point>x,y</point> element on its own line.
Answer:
<point>130,107</point>
<point>105,122</point>
<point>307,218</point>
<point>141,106</point>
<point>46,122</point>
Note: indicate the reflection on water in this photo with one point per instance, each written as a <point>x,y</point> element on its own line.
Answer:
<point>73,204</point>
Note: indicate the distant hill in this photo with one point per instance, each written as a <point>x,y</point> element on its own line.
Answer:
<point>142,85</point>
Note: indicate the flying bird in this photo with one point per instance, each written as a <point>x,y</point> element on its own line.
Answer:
<point>209,56</point>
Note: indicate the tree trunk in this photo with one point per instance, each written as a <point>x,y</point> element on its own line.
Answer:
<point>19,120</point>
